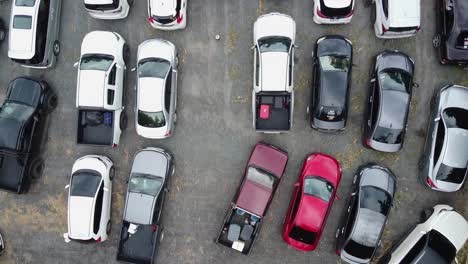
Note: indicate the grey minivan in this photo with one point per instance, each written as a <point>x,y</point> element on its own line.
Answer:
<point>34,32</point>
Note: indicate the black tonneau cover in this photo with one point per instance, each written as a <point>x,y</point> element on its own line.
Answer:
<point>95,127</point>
<point>139,247</point>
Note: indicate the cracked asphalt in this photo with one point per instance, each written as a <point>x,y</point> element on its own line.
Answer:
<point>214,135</point>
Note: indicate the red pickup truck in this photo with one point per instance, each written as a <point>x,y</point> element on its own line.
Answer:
<point>249,206</point>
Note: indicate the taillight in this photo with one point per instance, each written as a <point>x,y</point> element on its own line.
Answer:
<point>350,14</point>
<point>368,142</point>
<point>155,228</point>
<point>320,14</point>
<point>98,240</point>
<point>338,252</point>
<point>430,183</point>
<point>180,18</point>
<point>168,133</point>
<point>384,29</point>
<point>151,19</point>
<point>114,145</point>
<point>418,29</point>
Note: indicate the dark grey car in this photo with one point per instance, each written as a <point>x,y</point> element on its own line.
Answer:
<point>389,101</point>
<point>367,212</point>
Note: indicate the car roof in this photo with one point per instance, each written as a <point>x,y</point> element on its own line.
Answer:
<point>253,197</point>
<point>393,109</point>
<point>455,155</point>
<point>269,158</point>
<point>22,42</point>
<point>163,7</point>
<point>91,88</point>
<point>333,89</point>
<point>311,213</point>
<point>150,94</point>
<point>81,217</point>
<point>404,13</point>
<point>461,13</point>
<point>156,48</point>
<point>139,208</point>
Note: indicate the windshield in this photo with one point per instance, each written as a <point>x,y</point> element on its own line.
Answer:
<point>375,199</point>
<point>153,68</point>
<point>388,135</point>
<point>16,111</point>
<point>151,119</point>
<point>303,235</point>
<point>335,63</point>
<point>451,174</point>
<point>274,44</point>
<point>395,81</point>
<point>146,184</point>
<point>261,177</point>
<point>96,62</point>
<point>22,22</point>
<point>85,183</point>
<point>318,187</point>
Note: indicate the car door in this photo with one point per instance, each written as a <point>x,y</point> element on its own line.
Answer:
<point>373,104</point>
<point>350,216</point>
<point>98,209</point>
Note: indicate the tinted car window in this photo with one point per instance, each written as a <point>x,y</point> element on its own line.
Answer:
<point>375,199</point>
<point>16,111</point>
<point>25,2</point>
<point>388,135</point>
<point>303,235</point>
<point>151,119</point>
<point>274,44</point>
<point>168,92</point>
<point>96,62</point>
<point>456,118</point>
<point>450,174</point>
<point>385,7</point>
<point>355,249</point>
<point>85,183</point>
<point>449,18</point>
<point>296,204</point>
<point>395,81</point>
<point>140,183</point>
<point>22,22</point>
<point>415,250</point>
<point>334,63</point>
<point>439,143</point>
<point>318,187</point>
<point>260,177</point>
<point>442,246</point>
<point>153,68</point>
<point>98,209</point>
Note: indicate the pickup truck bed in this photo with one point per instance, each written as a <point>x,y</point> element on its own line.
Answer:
<point>95,127</point>
<point>11,171</point>
<point>240,228</point>
<point>273,111</point>
<point>139,247</point>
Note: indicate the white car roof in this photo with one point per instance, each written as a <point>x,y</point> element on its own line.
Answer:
<point>404,13</point>
<point>156,48</point>
<point>100,42</point>
<point>163,7</point>
<point>337,3</point>
<point>98,2</point>
<point>453,226</point>
<point>91,88</point>
<point>274,24</point>
<point>274,67</point>
<point>150,94</point>
<point>80,217</point>
<point>455,155</point>
<point>22,42</point>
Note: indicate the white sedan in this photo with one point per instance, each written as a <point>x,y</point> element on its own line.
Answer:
<point>156,89</point>
<point>89,199</point>
<point>167,14</point>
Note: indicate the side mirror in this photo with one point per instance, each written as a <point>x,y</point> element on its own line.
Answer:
<point>297,184</point>
<point>75,65</point>
<point>67,186</point>
<point>133,69</point>
<point>415,85</point>
<point>296,46</point>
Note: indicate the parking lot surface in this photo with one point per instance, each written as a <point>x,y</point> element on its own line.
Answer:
<point>214,134</point>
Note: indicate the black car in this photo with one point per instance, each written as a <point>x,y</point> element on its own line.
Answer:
<point>451,38</point>
<point>388,102</point>
<point>363,223</point>
<point>332,62</point>
<point>22,117</point>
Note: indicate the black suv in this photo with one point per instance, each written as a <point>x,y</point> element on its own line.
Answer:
<point>22,117</point>
<point>451,38</point>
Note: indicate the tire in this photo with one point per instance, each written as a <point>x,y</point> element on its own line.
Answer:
<point>436,41</point>
<point>56,48</point>
<point>425,214</point>
<point>2,35</point>
<point>108,227</point>
<point>112,173</point>
<point>130,2</point>
<point>36,168</point>
<point>177,61</point>
<point>51,102</point>
<point>123,121</point>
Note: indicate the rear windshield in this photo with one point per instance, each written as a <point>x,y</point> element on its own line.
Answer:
<point>450,174</point>
<point>22,22</point>
<point>261,177</point>
<point>274,44</point>
<point>442,246</point>
<point>104,7</point>
<point>388,135</point>
<point>85,183</point>
<point>402,29</point>
<point>25,2</point>
<point>335,63</point>
<point>462,40</point>
<point>375,199</point>
<point>335,12</point>
<point>395,81</point>
<point>355,249</point>
<point>456,118</point>
<point>302,235</point>
<point>145,184</point>
<point>151,119</point>
<point>318,187</point>
<point>96,62</point>
<point>153,68</point>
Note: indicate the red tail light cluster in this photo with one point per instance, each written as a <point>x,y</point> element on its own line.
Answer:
<point>98,240</point>
<point>168,133</point>
<point>151,20</point>
<point>384,29</point>
<point>430,183</point>
<point>180,18</point>
<point>320,14</point>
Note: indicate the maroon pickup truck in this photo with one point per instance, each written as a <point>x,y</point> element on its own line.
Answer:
<point>245,217</point>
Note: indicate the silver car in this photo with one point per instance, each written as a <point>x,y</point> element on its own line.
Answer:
<point>445,157</point>
<point>156,99</point>
<point>34,32</point>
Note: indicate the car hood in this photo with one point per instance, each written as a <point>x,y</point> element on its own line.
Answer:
<point>378,177</point>
<point>91,88</point>
<point>80,214</point>
<point>333,88</point>
<point>274,71</point>
<point>275,24</point>
<point>163,7</point>
<point>395,106</point>
<point>156,48</point>
<point>269,159</point>
<point>100,42</point>
<point>139,208</point>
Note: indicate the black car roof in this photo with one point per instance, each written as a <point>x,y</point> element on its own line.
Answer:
<point>333,88</point>
<point>10,133</point>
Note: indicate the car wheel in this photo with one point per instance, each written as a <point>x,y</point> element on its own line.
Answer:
<point>2,35</point>
<point>123,121</point>
<point>36,168</point>
<point>126,53</point>
<point>177,61</point>
<point>56,48</point>
<point>373,16</point>
<point>436,40</point>
<point>51,102</point>
<point>425,214</point>
<point>130,2</point>
<point>112,173</point>
<point>161,236</point>
<point>109,227</point>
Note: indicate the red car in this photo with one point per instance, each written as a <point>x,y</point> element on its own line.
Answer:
<point>311,202</point>
<point>249,206</point>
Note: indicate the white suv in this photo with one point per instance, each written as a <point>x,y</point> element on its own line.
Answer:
<point>108,9</point>
<point>437,240</point>
<point>89,199</point>
<point>397,18</point>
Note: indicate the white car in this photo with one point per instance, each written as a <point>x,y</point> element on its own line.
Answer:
<point>89,199</point>
<point>333,11</point>
<point>100,89</point>
<point>437,240</point>
<point>156,89</point>
<point>167,14</point>
<point>397,18</point>
<point>108,9</point>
